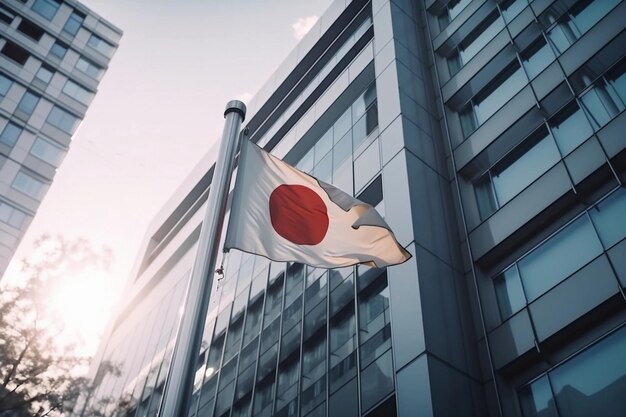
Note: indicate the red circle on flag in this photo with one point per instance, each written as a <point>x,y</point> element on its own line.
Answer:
<point>298,214</point>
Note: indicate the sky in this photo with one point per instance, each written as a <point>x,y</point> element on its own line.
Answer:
<point>158,110</point>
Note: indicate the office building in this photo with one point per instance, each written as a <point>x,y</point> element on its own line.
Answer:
<point>53,55</point>
<point>488,135</point>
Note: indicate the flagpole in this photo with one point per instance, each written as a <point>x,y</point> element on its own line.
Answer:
<point>180,377</point>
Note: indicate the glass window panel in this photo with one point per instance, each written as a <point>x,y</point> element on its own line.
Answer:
<point>5,84</point>
<point>323,145</point>
<point>363,102</point>
<point>570,128</point>
<point>602,103</point>
<point>313,359</point>
<point>587,13</point>
<point>324,170</point>
<point>306,163</point>
<point>225,399</point>
<point>47,151</point>
<point>267,362</point>
<point>10,134</point>
<point>456,6</point>
<point>62,120</point>
<point>511,8</point>
<point>617,79</point>
<point>342,335</point>
<point>315,321</point>
<point>101,45</point>
<point>28,185</point>
<point>506,86</point>
<point>342,164</point>
<point>374,312</point>
<point>294,283</point>
<point>377,381</point>
<point>44,74</point>
<point>559,257</point>
<point>313,395</point>
<point>28,102</point>
<point>270,335</point>
<point>524,165</point>
<point>342,295</point>
<point>536,399</point>
<point>537,57</point>
<point>290,341</point>
<point>274,300</point>
<point>593,383</point>
<point>292,314</point>
<point>253,321</point>
<point>59,50</point>
<point>233,339</point>
<point>74,22</point>
<point>468,121</point>
<point>509,292</point>
<point>609,218</point>
<point>46,8</point>
<point>89,68</point>
<point>475,41</point>
<point>245,380</point>
<point>263,397</point>
<point>342,125</point>
<point>485,197</point>
<point>77,92</point>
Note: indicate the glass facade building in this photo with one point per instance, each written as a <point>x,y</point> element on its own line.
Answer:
<point>44,94</point>
<point>488,135</point>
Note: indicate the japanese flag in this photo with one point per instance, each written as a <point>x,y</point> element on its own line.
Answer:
<point>286,215</point>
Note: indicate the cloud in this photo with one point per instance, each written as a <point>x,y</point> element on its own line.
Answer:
<point>302,26</point>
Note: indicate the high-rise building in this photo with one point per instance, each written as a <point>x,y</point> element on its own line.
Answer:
<point>488,135</point>
<point>53,54</point>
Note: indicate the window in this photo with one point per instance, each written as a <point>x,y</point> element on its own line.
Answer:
<point>591,383</point>
<point>560,256</point>
<point>607,98</point>
<point>6,15</point>
<point>453,9</point>
<point>377,381</point>
<point>15,53</point>
<point>570,128</point>
<point>89,68</point>
<point>28,102</point>
<point>5,84</point>
<point>475,41</point>
<point>516,171</point>
<point>509,292</point>
<point>101,45</point>
<point>578,20</point>
<point>77,92</point>
<point>62,120</point>
<point>11,216</point>
<point>492,98</point>
<point>46,8</point>
<point>608,217</point>
<point>47,151</point>
<point>30,29</point>
<point>44,74</point>
<point>511,8</point>
<point>28,184</point>
<point>374,320</point>
<point>10,134</point>
<point>58,50</point>
<point>537,57</point>
<point>74,22</point>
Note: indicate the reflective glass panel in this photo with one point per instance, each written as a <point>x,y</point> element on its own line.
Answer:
<point>570,128</point>
<point>536,399</point>
<point>594,382</point>
<point>509,292</point>
<point>560,256</point>
<point>609,217</point>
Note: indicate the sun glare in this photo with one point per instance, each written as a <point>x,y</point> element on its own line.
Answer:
<point>83,304</point>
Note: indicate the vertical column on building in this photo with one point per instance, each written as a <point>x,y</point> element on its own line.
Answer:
<point>435,359</point>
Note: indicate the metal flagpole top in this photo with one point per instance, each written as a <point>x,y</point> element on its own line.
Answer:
<point>236,106</point>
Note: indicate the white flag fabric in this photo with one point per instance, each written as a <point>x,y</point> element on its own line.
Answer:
<point>285,214</point>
